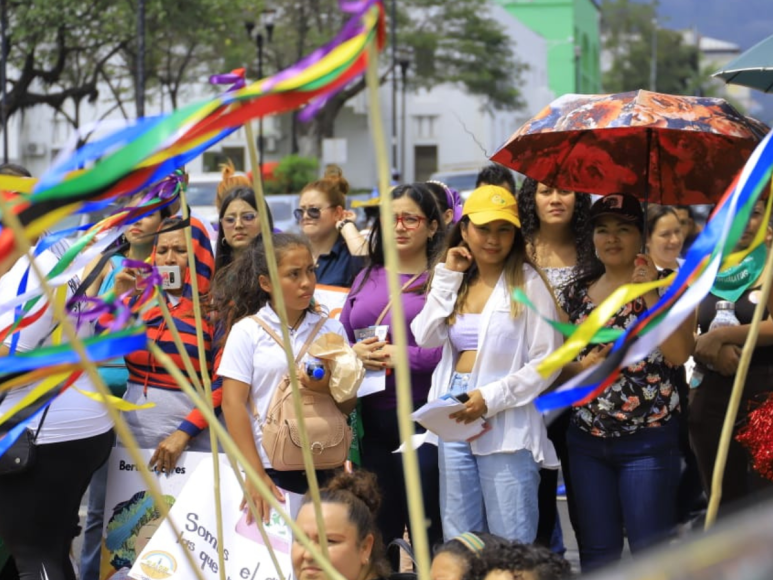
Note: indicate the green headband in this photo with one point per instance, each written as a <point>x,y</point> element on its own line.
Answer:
<point>470,541</point>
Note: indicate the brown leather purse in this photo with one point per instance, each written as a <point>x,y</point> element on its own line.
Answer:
<point>329,434</point>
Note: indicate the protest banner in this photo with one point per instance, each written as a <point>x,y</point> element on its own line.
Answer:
<point>332,298</point>
<point>245,555</point>
<point>131,515</point>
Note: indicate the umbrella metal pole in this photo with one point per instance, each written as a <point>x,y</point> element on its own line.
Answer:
<point>646,193</point>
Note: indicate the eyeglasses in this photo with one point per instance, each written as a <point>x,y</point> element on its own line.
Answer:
<point>229,221</point>
<point>313,212</point>
<point>410,222</point>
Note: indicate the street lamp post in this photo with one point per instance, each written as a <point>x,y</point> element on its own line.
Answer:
<point>266,24</point>
<point>654,61</point>
<point>141,59</point>
<point>394,84</point>
<point>577,68</point>
<point>404,61</point>
<point>3,73</point>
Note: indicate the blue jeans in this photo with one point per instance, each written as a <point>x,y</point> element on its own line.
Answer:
<point>624,482</point>
<point>494,493</point>
<point>91,551</point>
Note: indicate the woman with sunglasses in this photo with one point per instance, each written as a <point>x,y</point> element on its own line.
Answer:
<point>239,224</point>
<point>419,231</point>
<point>335,241</point>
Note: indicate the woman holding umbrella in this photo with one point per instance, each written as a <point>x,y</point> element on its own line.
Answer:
<point>624,445</point>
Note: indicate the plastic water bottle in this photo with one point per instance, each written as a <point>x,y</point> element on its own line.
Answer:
<point>725,316</point>
<point>315,368</point>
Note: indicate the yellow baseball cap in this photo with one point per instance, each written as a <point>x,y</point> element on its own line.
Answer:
<point>490,203</point>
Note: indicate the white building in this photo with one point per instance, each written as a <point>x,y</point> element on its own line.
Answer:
<point>445,128</point>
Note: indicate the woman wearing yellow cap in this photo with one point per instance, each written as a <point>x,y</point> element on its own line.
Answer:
<point>491,348</point>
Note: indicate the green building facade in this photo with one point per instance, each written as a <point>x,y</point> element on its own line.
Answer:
<point>571,29</point>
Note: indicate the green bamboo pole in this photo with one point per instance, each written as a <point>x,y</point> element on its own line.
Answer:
<point>191,372</point>
<point>399,333</point>
<point>736,395</point>
<point>204,375</point>
<point>279,303</point>
<point>233,451</point>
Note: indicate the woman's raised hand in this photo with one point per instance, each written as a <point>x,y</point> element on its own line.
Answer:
<point>644,269</point>
<point>459,259</point>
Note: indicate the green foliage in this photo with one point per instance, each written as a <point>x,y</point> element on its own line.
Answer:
<point>628,29</point>
<point>292,174</point>
<point>459,42</point>
<point>70,46</point>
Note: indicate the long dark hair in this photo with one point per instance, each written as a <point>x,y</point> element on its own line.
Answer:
<point>582,230</point>
<point>236,290</point>
<point>426,201</point>
<point>225,253</point>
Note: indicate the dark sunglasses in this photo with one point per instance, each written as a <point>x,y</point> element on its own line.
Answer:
<point>313,212</point>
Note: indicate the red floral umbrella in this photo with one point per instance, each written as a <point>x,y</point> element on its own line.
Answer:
<point>662,148</point>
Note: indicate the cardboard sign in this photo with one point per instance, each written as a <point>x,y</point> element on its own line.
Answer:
<point>194,513</point>
<point>332,298</point>
<point>131,516</point>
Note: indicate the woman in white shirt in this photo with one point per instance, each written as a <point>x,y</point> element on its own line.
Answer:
<point>491,348</point>
<point>39,507</point>
<point>253,363</point>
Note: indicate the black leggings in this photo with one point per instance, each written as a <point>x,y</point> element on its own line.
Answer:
<point>382,437</point>
<point>39,508</point>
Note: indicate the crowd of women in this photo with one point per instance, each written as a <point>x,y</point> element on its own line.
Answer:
<point>636,461</point>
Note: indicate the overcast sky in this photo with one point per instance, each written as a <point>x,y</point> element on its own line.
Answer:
<point>743,22</point>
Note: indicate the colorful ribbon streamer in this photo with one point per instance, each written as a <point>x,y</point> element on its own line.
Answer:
<point>714,246</point>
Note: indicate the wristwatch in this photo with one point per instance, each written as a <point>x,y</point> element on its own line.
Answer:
<point>343,223</point>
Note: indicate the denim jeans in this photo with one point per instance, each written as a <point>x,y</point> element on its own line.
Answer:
<point>624,482</point>
<point>494,493</point>
<point>91,551</point>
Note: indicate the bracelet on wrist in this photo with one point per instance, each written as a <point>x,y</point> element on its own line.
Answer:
<point>342,224</point>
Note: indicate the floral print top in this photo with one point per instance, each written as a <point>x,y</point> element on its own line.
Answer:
<point>644,394</point>
<point>558,278</point>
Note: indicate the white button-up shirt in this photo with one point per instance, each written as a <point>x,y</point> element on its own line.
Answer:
<point>509,350</point>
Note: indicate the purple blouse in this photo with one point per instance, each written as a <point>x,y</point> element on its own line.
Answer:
<point>364,305</point>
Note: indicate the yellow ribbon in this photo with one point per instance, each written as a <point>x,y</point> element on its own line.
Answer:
<point>52,381</point>
<point>117,402</point>
<point>596,320</point>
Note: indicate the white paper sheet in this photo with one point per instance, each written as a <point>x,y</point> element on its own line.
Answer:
<point>435,417</point>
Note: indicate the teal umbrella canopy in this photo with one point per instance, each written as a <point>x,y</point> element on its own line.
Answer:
<point>754,68</point>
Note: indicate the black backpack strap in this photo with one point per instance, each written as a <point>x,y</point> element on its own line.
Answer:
<point>401,544</point>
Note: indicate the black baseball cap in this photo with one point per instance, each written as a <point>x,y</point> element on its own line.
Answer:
<point>621,205</point>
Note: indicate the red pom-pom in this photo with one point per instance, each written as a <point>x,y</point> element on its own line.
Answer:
<point>757,436</point>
